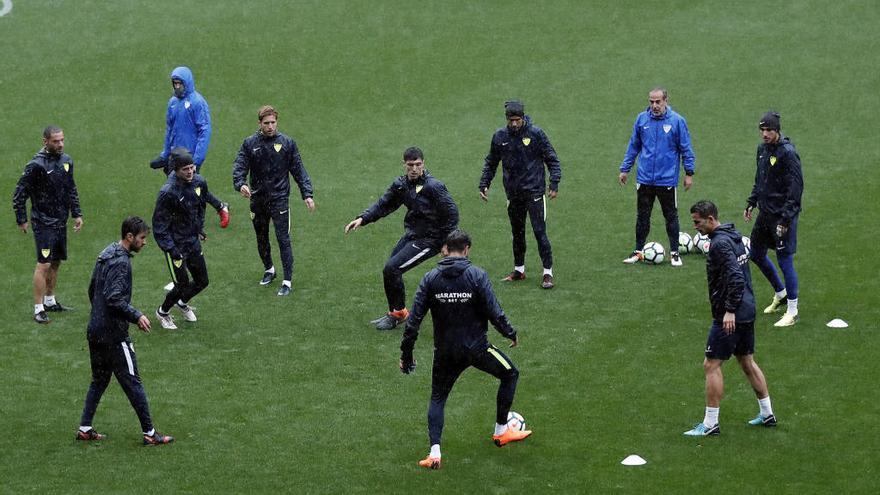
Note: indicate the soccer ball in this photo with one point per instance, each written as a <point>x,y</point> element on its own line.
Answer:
<point>515,421</point>
<point>702,243</point>
<point>653,253</point>
<point>685,243</point>
<point>747,242</point>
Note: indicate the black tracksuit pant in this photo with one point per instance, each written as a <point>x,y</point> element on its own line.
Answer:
<point>448,366</point>
<point>533,205</point>
<point>407,254</point>
<point>645,196</point>
<point>278,212</point>
<point>184,288</point>
<point>116,359</point>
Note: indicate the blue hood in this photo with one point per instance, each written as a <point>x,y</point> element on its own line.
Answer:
<point>185,74</point>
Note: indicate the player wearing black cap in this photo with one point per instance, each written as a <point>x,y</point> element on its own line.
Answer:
<point>178,223</point>
<point>48,182</point>
<point>110,349</point>
<point>524,150</point>
<point>777,192</point>
<point>462,303</point>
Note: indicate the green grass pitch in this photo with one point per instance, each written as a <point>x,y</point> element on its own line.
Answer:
<point>301,395</point>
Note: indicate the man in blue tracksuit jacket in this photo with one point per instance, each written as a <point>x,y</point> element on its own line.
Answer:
<point>662,143</point>
<point>431,215</point>
<point>733,318</point>
<point>110,349</point>
<point>523,149</point>
<point>188,121</point>
<point>462,303</point>
<point>779,184</point>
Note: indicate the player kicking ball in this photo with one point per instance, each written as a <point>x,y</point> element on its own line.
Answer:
<point>461,301</point>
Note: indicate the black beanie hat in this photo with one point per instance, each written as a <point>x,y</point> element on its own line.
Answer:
<point>514,107</point>
<point>179,157</point>
<point>770,120</point>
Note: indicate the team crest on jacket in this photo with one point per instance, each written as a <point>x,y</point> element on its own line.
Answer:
<point>772,161</point>
<point>527,140</point>
<point>198,191</point>
<point>667,128</point>
<point>419,188</point>
<point>253,215</point>
<point>66,167</point>
<point>277,147</point>
<point>178,263</point>
<point>186,104</point>
<point>45,252</point>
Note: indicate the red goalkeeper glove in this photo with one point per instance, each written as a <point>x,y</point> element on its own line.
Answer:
<point>224,215</point>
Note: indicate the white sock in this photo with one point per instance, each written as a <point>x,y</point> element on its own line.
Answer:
<point>271,269</point>
<point>764,404</point>
<point>85,429</point>
<point>38,308</point>
<point>49,300</point>
<point>781,294</point>
<point>435,450</point>
<point>521,268</point>
<point>150,433</point>
<point>548,271</point>
<point>792,307</point>
<point>711,417</point>
<point>500,429</point>
<point>181,303</point>
<point>286,282</point>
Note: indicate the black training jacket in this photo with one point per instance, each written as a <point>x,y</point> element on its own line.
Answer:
<point>179,215</point>
<point>779,182</point>
<point>460,298</point>
<point>432,212</point>
<point>727,270</point>
<point>523,156</point>
<point>270,162</point>
<point>110,295</point>
<point>48,182</point>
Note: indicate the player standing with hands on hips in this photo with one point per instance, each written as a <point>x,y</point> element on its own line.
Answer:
<point>48,182</point>
<point>110,349</point>
<point>270,158</point>
<point>523,149</point>
<point>661,141</point>
<point>779,184</point>
<point>733,318</point>
<point>462,303</point>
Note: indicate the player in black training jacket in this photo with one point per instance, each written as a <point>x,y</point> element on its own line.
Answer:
<point>431,216</point>
<point>178,226</point>
<point>462,303</point>
<point>270,158</point>
<point>110,349</point>
<point>523,149</point>
<point>48,182</point>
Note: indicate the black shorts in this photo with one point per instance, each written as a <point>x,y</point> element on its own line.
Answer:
<point>722,345</point>
<point>51,244</point>
<point>764,235</point>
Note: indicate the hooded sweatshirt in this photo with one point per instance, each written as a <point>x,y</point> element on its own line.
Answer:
<point>431,215</point>
<point>48,181</point>
<point>727,271</point>
<point>523,155</point>
<point>460,298</point>
<point>110,295</point>
<point>188,119</point>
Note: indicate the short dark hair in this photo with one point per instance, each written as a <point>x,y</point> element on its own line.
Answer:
<point>705,208</point>
<point>660,89</point>
<point>134,225</point>
<point>413,153</point>
<point>457,241</point>
<point>51,129</point>
<point>266,110</point>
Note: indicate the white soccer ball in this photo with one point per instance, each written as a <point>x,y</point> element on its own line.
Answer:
<point>701,241</point>
<point>653,253</point>
<point>685,243</point>
<point>747,242</point>
<point>515,421</point>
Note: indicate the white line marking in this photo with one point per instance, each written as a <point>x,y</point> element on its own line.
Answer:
<point>6,8</point>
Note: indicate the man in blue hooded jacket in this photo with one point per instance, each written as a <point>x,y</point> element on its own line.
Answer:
<point>188,121</point>
<point>462,303</point>
<point>662,143</point>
